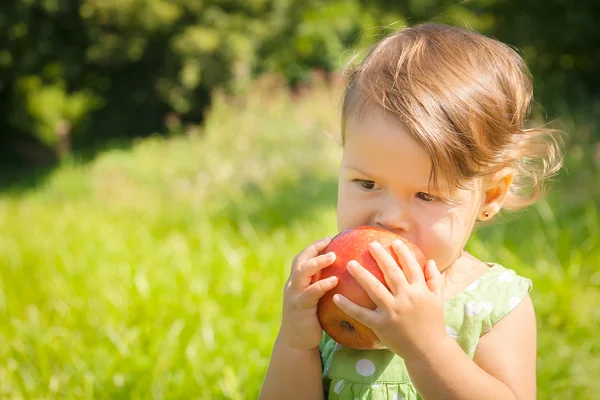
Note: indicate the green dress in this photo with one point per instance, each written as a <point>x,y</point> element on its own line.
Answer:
<point>380,374</point>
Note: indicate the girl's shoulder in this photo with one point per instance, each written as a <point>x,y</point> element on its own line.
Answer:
<point>493,286</point>
<point>487,300</point>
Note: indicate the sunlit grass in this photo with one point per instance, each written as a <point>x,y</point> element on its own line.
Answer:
<point>157,272</point>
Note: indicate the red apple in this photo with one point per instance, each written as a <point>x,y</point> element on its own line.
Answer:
<point>353,244</point>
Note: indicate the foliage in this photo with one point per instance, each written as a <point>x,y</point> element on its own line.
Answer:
<point>91,70</point>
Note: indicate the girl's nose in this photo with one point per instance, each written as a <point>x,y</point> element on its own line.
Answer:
<point>393,216</point>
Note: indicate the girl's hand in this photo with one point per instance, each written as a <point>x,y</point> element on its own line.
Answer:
<point>409,318</point>
<point>300,328</point>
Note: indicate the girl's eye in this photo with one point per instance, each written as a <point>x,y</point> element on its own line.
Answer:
<point>367,185</point>
<point>425,196</point>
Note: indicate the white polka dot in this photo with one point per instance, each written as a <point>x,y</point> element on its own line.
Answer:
<point>338,387</point>
<point>473,308</point>
<point>365,367</point>
<point>506,276</point>
<point>487,306</point>
<point>473,285</point>
<point>513,302</point>
<point>397,396</point>
<point>451,332</point>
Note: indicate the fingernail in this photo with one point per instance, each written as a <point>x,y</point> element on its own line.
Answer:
<point>375,245</point>
<point>397,242</point>
<point>351,264</point>
<point>332,279</point>
<point>331,254</point>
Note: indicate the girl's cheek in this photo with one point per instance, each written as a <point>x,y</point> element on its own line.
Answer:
<point>429,241</point>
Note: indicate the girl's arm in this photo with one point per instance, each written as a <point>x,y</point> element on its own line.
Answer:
<point>293,374</point>
<point>504,367</point>
<point>295,368</point>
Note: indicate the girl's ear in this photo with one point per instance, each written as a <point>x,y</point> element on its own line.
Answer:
<point>495,191</point>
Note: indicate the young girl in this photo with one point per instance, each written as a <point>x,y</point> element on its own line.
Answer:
<point>433,141</point>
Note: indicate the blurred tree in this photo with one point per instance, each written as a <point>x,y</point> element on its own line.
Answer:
<point>75,73</point>
<point>560,40</point>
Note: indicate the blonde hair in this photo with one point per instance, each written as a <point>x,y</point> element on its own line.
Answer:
<point>465,98</point>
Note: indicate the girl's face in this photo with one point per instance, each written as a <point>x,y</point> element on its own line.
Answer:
<point>384,182</point>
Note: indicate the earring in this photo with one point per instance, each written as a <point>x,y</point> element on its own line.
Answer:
<point>486,214</point>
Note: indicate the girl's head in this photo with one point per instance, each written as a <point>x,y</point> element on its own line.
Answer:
<point>434,137</point>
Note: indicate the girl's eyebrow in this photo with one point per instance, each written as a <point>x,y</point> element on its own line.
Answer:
<point>356,169</point>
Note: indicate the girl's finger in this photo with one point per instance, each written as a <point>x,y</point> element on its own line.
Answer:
<point>361,314</point>
<point>311,295</point>
<point>434,279</point>
<point>301,276</point>
<point>311,251</point>
<point>376,290</point>
<point>411,267</point>
<point>394,277</point>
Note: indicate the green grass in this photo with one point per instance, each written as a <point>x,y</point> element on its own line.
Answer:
<point>157,272</point>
